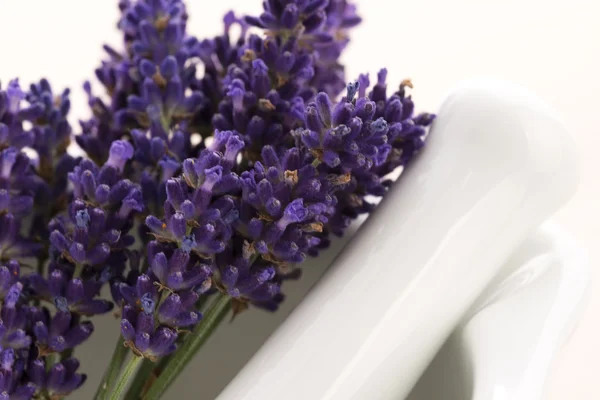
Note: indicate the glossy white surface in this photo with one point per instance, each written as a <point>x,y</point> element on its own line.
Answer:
<point>497,165</point>
<point>504,347</point>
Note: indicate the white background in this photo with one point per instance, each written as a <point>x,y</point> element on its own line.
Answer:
<point>550,46</point>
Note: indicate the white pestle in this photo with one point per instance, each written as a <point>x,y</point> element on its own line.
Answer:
<point>504,347</point>
<point>497,164</point>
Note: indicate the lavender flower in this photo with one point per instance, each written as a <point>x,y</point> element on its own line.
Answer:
<point>12,115</point>
<point>347,136</point>
<point>60,332</point>
<point>217,55</point>
<point>156,154</point>
<point>321,27</point>
<point>157,160</point>
<point>73,295</point>
<point>92,238</point>
<point>11,377</point>
<point>9,275</point>
<point>147,83</point>
<point>193,219</point>
<point>405,136</point>
<point>162,102</point>
<point>256,110</point>
<point>155,30</point>
<point>12,243</point>
<point>248,280</point>
<point>283,203</point>
<point>59,381</point>
<point>153,315</point>
<point>31,190</point>
<point>106,187</point>
<point>26,336</point>
<point>229,179</point>
<point>98,133</point>
<point>329,76</point>
<point>17,182</point>
<point>293,18</point>
<point>13,319</point>
<point>51,131</point>
<point>178,273</point>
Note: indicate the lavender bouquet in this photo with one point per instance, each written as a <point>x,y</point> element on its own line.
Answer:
<point>199,195</point>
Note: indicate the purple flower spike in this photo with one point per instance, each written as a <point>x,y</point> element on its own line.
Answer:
<point>349,135</point>
<point>179,273</point>
<point>256,283</point>
<point>294,212</point>
<point>162,342</point>
<point>12,384</point>
<point>85,237</point>
<point>12,114</point>
<point>270,189</point>
<point>51,133</point>
<point>9,274</point>
<point>173,311</point>
<point>60,381</point>
<point>12,244</point>
<point>285,16</point>
<point>58,333</point>
<point>17,183</point>
<point>82,218</point>
<point>13,319</point>
<point>188,243</point>
<point>150,327</point>
<point>239,173</point>
<point>120,152</point>
<point>74,295</point>
<point>352,88</point>
<point>95,230</point>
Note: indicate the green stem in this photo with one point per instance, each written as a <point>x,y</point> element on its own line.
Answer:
<point>130,368</point>
<point>50,361</point>
<point>215,314</point>
<point>162,364</point>
<point>40,264</point>
<point>201,303</point>
<point>78,270</point>
<point>146,376</point>
<point>141,379</point>
<point>116,362</point>
<point>66,354</point>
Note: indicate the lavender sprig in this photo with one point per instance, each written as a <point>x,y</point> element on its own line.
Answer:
<point>307,165</point>
<point>40,318</point>
<point>195,190</point>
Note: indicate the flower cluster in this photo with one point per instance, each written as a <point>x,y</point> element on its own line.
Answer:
<point>194,185</point>
<point>162,301</point>
<point>284,167</point>
<point>42,314</point>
